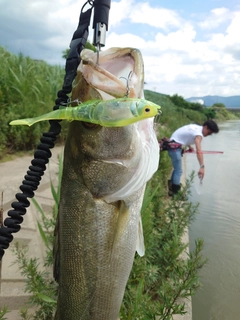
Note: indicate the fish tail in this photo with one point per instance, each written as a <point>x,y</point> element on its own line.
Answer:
<point>59,114</point>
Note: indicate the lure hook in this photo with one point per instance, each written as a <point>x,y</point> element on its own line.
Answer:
<point>127,82</point>
<point>69,101</point>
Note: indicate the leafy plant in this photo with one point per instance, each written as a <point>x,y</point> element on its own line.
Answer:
<point>3,312</point>
<point>39,284</point>
<point>167,274</point>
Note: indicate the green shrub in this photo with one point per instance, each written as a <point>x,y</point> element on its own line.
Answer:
<point>161,279</point>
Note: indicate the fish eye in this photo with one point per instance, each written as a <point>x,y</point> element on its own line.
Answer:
<point>147,110</point>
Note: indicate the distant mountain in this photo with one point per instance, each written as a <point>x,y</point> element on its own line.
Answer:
<point>229,102</point>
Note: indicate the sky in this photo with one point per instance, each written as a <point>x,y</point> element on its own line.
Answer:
<point>189,48</point>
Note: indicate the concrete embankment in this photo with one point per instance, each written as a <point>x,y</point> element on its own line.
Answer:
<point>185,239</point>
<point>12,174</point>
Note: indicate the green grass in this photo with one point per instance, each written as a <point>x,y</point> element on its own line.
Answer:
<point>27,88</point>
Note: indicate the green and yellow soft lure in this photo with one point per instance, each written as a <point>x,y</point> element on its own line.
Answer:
<point>110,113</point>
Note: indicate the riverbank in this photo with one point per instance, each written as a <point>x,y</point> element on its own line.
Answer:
<point>185,240</point>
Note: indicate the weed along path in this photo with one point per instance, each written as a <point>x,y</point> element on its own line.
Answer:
<point>12,284</point>
<point>185,239</point>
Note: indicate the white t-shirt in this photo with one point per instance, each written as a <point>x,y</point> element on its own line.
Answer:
<point>187,134</point>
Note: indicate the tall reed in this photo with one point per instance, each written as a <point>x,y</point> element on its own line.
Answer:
<point>27,88</point>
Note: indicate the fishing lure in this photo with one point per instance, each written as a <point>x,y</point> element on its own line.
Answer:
<point>110,113</point>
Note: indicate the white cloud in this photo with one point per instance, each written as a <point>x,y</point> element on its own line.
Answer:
<point>180,55</point>
<point>157,17</point>
<point>143,13</point>
<point>197,101</point>
<point>216,18</point>
<point>180,61</point>
<point>179,40</point>
<point>120,11</point>
<point>124,40</point>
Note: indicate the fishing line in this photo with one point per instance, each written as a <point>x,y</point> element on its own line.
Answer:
<point>211,161</point>
<point>202,152</point>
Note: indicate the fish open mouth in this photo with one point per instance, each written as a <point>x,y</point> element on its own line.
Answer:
<point>118,73</point>
<point>109,74</point>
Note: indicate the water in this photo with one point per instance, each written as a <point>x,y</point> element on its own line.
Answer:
<point>218,223</point>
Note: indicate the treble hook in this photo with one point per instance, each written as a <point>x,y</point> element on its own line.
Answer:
<point>69,101</point>
<point>127,81</point>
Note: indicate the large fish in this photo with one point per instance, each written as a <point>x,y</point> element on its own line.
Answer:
<point>105,172</point>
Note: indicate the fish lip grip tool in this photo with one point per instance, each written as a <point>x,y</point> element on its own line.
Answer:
<point>42,154</point>
<point>100,22</point>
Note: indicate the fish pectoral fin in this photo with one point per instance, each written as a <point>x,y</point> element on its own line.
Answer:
<point>121,223</point>
<point>123,218</point>
<point>140,248</point>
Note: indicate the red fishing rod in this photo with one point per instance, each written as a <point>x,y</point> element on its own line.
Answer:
<point>202,152</point>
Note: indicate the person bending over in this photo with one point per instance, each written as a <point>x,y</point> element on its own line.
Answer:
<point>186,136</point>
